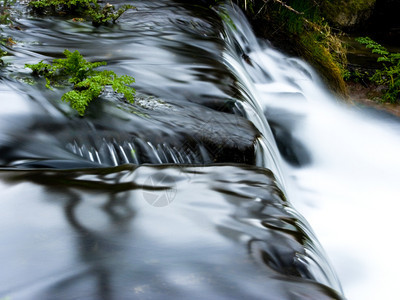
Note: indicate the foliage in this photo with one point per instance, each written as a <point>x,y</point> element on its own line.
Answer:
<point>389,75</point>
<point>357,75</point>
<point>5,19</point>
<point>87,82</point>
<point>5,16</point>
<point>89,9</point>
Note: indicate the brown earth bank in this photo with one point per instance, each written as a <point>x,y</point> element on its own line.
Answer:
<point>377,19</point>
<point>360,94</point>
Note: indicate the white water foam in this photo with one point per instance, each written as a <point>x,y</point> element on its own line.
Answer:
<point>350,192</point>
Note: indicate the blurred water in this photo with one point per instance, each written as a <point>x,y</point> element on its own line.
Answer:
<point>154,232</point>
<point>79,218</point>
<point>342,167</point>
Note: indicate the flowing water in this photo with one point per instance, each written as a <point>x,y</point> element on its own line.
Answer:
<point>198,189</point>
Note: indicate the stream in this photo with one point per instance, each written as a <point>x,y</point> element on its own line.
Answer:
<point>234,175</point>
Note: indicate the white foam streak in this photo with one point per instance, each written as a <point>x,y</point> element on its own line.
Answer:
<point>350,192</point>
<point>350,195</point>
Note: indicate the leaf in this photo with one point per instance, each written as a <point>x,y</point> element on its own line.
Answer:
<point>389,75</point>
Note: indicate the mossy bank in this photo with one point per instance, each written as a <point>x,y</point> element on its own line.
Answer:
<point>314,30</point>
<point>300,28</point>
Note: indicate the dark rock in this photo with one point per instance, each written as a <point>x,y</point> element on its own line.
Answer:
<point>347,14</point>
<point>384,24</point>
<point>151,131</point>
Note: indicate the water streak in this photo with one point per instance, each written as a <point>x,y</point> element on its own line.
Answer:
<point>208,93</point>
<point>341,165</point>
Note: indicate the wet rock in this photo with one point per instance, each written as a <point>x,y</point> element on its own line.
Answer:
<point>151,131</point>
<point>348,13</point>
<point>376,18</point>
<point>289,147</point>
<point>208,136</point>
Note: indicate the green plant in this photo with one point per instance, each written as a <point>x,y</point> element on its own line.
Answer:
<point>389,75</point>
<point>5,16</point>
<point>356,75</point>
<point>5,19</point>
<point>89,9</point>
<point>87,82</point>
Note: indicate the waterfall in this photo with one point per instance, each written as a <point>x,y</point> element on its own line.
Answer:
<point>266,72</point>
<point>224,178</point>
<point>345,179</point>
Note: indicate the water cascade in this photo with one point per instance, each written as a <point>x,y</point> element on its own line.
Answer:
<point>198,190</point>
<point>339,162</point>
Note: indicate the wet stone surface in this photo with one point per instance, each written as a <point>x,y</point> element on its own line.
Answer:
<point>157,132</point>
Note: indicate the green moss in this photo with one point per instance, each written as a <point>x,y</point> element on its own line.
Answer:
<point>87,82</point>
<point>321,57</point>
<point>92,10</point>
<point>5,19</point>
<point>347,6</point>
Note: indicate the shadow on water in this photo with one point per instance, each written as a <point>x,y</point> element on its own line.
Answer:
<point>92,247</point>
